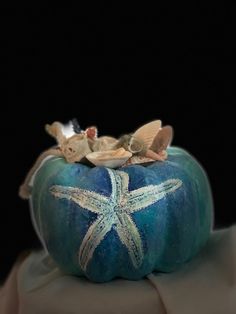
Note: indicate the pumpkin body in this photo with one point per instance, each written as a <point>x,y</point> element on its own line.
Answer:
<point>104,223</point>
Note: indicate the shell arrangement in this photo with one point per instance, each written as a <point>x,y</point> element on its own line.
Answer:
<point>146,144</point>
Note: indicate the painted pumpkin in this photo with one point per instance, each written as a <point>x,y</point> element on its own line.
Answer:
<point>104,223</point>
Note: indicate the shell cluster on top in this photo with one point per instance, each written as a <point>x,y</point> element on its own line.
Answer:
<point>146,144</point>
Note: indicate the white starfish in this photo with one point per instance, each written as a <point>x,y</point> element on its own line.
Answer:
<point>115,212</point>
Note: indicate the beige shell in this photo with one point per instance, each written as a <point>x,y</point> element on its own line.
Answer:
<point>55,130</point>
<point>163,139</point>
<point>137,160</point>
<point>109,158</point>
<point>104,143</point>
<point>148,132</point>
<point>75,148</point>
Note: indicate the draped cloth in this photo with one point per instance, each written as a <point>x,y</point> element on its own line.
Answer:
<point>206,285</point>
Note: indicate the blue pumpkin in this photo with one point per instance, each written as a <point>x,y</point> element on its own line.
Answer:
<point>104,223</point>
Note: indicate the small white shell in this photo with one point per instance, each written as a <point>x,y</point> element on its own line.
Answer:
<point>109,158</point>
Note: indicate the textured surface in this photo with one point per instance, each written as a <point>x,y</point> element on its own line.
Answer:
<point>37,286</point>
<point>100,223</point>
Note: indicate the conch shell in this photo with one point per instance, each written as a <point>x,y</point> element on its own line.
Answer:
<point>110,158</point>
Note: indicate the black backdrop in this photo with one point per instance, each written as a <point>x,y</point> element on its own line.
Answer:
<point>117,71</point>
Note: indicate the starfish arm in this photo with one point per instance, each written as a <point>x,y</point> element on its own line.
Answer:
<point>130,237</point>
<point>89,200</point>
<point>148,195</point>
<point>119,183</point>
<point>112,176</point>
<point>93,238</point>
<point>124,181</point>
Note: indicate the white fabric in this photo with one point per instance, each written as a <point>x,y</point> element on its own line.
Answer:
<point>206,285</point>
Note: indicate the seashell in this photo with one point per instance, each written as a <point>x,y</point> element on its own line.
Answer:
<point>136,145</point>
<point>137,159</point>
<point>110,158</point>
<point>133,144</point>
<point>55,130</point>
<point>75,148</point>
<point>148,132</point>
<point>134,160</point>
<point>155,156</point>
<point>162,139</point>
<point>124,141</point>
<point>104,143</point>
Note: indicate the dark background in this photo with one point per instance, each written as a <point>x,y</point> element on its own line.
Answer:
<point>117,71</point>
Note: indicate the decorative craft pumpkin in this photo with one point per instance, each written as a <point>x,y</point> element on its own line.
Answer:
<point>138,207</point>
<point>104,223</point>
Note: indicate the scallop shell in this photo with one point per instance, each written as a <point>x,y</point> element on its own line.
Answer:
<point>162,139</point>
<point>148,132</point>
<point>109,158</point>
